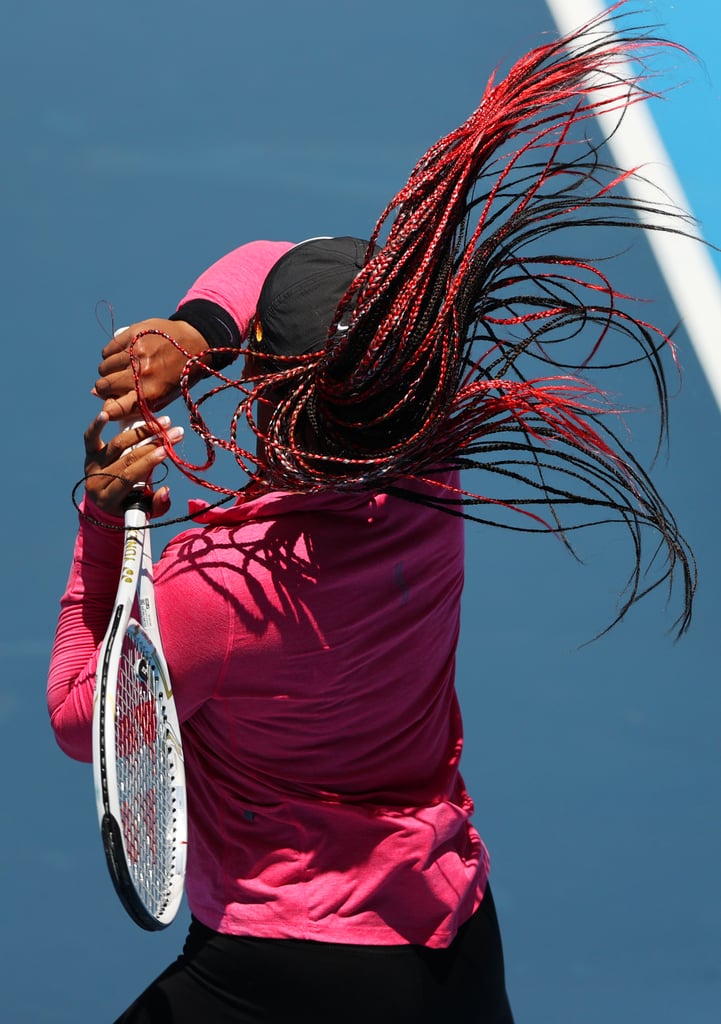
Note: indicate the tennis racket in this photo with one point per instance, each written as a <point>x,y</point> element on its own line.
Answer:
<point>137,753</point>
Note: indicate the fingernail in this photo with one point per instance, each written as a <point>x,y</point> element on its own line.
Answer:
<point>175,434</point>
<point>164,420</point>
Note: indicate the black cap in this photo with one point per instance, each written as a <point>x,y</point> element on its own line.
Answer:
<point>301,293</point>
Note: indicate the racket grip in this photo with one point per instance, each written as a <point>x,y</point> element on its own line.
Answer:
<point>138,497</point>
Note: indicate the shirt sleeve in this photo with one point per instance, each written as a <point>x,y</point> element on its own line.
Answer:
<point>224,299</point>
<point>193,611</point>
<point>85,610</point>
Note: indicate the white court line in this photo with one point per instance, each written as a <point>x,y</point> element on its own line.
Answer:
<point>687,267</point>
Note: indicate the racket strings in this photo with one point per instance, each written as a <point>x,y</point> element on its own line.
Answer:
<point>145,777</point>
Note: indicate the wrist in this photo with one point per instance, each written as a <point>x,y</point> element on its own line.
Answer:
<point>191,340</point>
<point>215,326</point>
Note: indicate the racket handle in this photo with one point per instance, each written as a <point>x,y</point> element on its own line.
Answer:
<point>138,498</point>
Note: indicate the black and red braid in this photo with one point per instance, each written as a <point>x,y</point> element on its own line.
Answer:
<point>476,279</point>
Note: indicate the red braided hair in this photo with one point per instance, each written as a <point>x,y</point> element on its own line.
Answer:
<point>443,321</point>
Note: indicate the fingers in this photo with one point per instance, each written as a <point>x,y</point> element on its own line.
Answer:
<point>154,358</point>
<point>93,435</point>
<point>122,408</point>
<point>118,362</point>
<point>119,342</point>
<point>138,446</point>
<point>115,385</point>
<point>116,378</point>
<point>127,460</point>
<point>125,439</point>
<point>115,371</point>
<point>161,502</point>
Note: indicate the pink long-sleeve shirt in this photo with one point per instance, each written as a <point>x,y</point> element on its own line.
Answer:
<point>311,641</point>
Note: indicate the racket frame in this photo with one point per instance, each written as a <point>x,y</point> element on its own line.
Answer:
<point>136,578</point>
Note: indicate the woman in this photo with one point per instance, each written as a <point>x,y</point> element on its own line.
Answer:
<point>311,627</point>
<point>328,820</point>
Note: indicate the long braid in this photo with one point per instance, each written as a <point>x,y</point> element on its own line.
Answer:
<point>459,256</point>
<point>475,279</point>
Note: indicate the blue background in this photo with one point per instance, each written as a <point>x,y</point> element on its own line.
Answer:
<point>143,140</point>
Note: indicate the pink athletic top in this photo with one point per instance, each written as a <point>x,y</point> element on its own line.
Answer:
<point>311,640</point>
<point>235,281</point>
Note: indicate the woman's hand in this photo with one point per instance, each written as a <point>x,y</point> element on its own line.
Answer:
<point>112,470</point>
<point>160,365</point>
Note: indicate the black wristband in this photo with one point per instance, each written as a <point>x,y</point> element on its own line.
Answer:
<point>216,325</point>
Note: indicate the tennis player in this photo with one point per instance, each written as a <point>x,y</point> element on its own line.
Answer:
<point>311,626</point>
<point>333,869</point>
